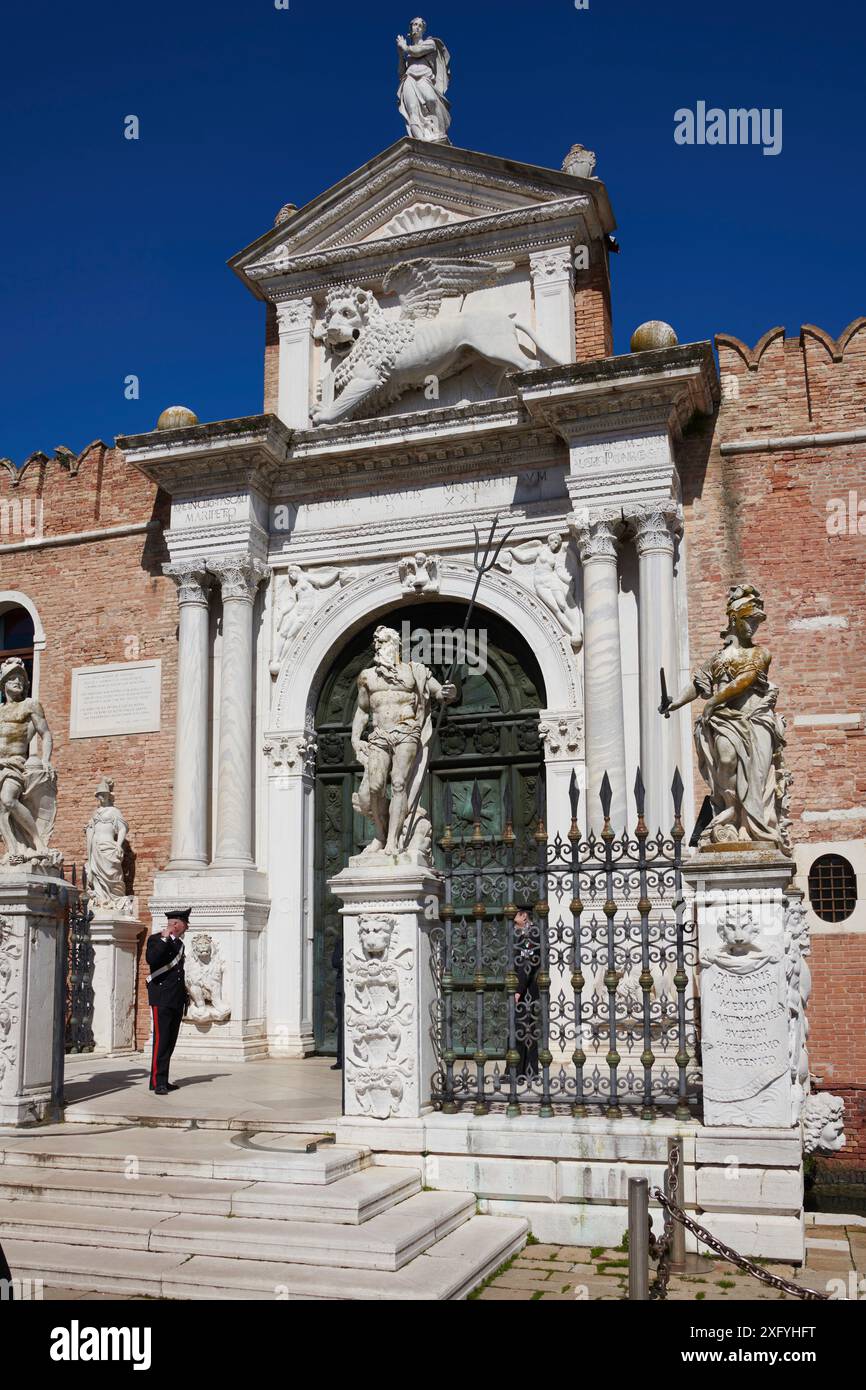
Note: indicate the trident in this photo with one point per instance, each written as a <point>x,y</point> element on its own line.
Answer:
<point>482,565</point>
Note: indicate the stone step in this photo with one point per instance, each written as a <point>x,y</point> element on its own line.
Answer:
<point>386,1241</point>
<point>271,1157</point>
<point>449,1269</point>
<point>351,1200</point>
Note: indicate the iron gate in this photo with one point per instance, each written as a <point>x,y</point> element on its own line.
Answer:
<point>80,961</point>
<point>590,1008</point>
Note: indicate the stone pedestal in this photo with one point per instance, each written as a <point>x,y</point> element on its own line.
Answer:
<point>390,1059</point>
<point>32,909</point>
<point>231,906</point>
<point>114,939</point>
<point>742,902</point>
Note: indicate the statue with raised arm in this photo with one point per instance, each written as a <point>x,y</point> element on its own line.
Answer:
<point>395,699</point>
<point>425,72</point>
<point>28,783</point>
<point>739,736</point>
<point>551,581</point>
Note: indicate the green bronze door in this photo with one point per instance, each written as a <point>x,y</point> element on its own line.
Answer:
<point>490,735</point>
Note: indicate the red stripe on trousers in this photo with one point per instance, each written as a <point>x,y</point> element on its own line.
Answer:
<point>155,1043</point>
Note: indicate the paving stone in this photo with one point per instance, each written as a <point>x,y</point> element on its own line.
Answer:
<point>543,1252</point>
<point>578,1254</point>
<point>514,1278</point>
<point>494,1294</point>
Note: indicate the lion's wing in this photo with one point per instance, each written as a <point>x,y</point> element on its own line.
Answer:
<point>421,285</point>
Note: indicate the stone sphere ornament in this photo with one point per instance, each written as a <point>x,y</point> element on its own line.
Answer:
<point>176,417</point>
<point>654,334</point>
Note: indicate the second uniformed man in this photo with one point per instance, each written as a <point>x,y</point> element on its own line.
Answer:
<point>166,994</point>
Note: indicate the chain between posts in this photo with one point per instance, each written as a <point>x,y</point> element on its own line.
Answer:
<point>660,1249</point>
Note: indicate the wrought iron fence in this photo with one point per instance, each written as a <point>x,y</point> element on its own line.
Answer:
<point>79,987</point>
<point>590,1006</point>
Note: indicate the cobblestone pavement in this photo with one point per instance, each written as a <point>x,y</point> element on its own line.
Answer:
<point>550,1273</point>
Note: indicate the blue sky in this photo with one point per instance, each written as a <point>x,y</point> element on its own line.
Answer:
<point>114,251</point>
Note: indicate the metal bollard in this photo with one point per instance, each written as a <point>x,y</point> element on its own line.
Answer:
<point>638,1240</point>
<point>678,1235</point>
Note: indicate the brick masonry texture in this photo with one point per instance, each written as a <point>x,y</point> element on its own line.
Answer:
<point>101,601</point>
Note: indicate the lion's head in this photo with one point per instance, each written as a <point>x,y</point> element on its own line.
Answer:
<point>348,310</point>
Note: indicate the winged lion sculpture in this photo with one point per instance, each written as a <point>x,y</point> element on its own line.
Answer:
<point>379,357</point>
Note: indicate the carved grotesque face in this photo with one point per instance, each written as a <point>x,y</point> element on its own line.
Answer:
<point>375,935</point>
<point>738,933</point>
<point>832,1135</point>
<point>344,320</point>
<point>202,949</point>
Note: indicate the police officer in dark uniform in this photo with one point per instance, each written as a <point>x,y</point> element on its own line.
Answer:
<point>166,994</point>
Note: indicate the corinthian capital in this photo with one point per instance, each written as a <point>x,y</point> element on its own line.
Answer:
<point>294,316</point>
<point>192,580</point>
<point>291,753</point>
<point>655,525</point>
<point>596,533</point>
<point>239,576</point>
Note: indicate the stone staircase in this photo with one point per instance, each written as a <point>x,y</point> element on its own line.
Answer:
<point>137,1211</point>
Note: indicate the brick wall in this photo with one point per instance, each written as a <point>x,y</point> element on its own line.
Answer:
<point>272,360</point>
<point>762,517</point>
<point>101,600</point>
<point>592,311</point>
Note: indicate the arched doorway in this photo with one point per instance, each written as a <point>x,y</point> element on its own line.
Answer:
<point>490,735</point>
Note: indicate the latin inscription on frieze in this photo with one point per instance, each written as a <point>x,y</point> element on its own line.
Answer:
<point>440,499</point>
<point>209,511</point>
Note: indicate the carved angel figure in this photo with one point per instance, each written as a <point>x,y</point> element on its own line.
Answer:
<point>377,358</point>
<point>551,581</point>
<point>739,736</point>
<point>298,602</point>
<point>28,784</point>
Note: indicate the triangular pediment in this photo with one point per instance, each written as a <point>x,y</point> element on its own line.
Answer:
<point>411,189</point>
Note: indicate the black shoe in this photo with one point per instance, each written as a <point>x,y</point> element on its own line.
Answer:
<point>160,1091</point>
<point>172,1086</point>
<point>338,1066</point>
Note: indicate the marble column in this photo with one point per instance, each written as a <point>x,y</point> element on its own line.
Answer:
<point>596,536</point>
<point>189,832</point>
<point>294,325</point>
<point>239,577</point>
<point>553,291</point>
<point>655,527</point>
<point>291,876</point>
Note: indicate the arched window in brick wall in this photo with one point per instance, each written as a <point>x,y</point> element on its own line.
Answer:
<point>21,633</point>
<point>16,637</point>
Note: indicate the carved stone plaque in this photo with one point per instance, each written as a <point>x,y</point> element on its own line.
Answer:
<point>113,699</point>
<point>745,1045</point>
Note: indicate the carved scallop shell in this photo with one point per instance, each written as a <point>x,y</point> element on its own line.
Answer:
<point>419,218</point>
